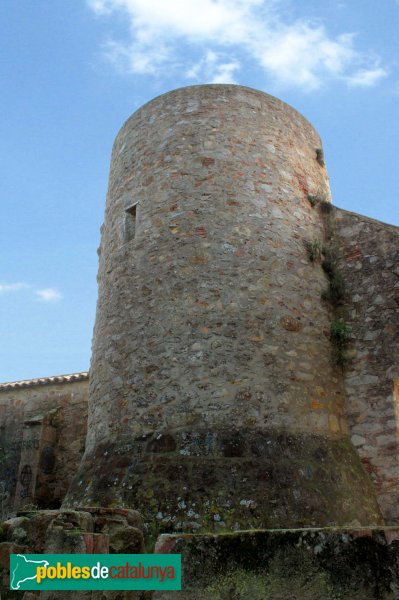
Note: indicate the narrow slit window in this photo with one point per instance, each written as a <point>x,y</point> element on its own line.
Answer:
<point>130,222</point>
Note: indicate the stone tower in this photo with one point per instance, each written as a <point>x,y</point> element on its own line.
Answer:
<point>214,400</point>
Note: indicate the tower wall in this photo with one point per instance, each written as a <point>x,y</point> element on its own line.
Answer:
<point>213,398</point>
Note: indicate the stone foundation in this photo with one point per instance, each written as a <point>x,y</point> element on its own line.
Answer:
<point>229,480</point>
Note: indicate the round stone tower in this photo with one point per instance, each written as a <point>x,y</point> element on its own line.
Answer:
<point>214,401</point>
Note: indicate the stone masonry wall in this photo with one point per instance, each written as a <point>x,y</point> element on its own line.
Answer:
<point>370,267</point>
<point>214,401</point>
<point>215,294</point>
<point>42,436</point>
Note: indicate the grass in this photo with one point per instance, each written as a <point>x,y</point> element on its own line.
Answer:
<point>314,250</point>
<point>291,575</point>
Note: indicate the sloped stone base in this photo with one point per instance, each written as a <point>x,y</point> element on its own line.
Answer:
<point>222,480</point>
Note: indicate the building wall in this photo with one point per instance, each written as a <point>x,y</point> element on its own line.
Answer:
<point>42,436</point>
<point>369,262</point>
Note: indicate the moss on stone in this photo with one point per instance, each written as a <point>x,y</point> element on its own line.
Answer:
<point>252,490</point>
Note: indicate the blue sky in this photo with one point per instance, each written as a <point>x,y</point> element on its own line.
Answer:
<point>72,72</point>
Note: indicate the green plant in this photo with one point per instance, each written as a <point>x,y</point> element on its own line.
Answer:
<point>336,285</point>
<point>314,250</point>
<point>238,585</point>
<point>340,334</point>
<point>336,289</point>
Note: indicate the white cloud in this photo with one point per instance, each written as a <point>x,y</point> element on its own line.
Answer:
<point>45,295</point>
<point>298,53</point>
<point>366,77</point>
<point>12,287</point>
<point>216,67</point>
<point>304,55</point>
<point>223,73</point>
<point>48,295</point>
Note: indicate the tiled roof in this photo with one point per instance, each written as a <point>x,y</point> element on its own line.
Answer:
<point>12,385</point>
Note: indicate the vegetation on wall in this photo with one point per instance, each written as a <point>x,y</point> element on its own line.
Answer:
<point>340,335</point>
<point>336,287</point>
<point>315,250</point>
<point>327,253</point>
